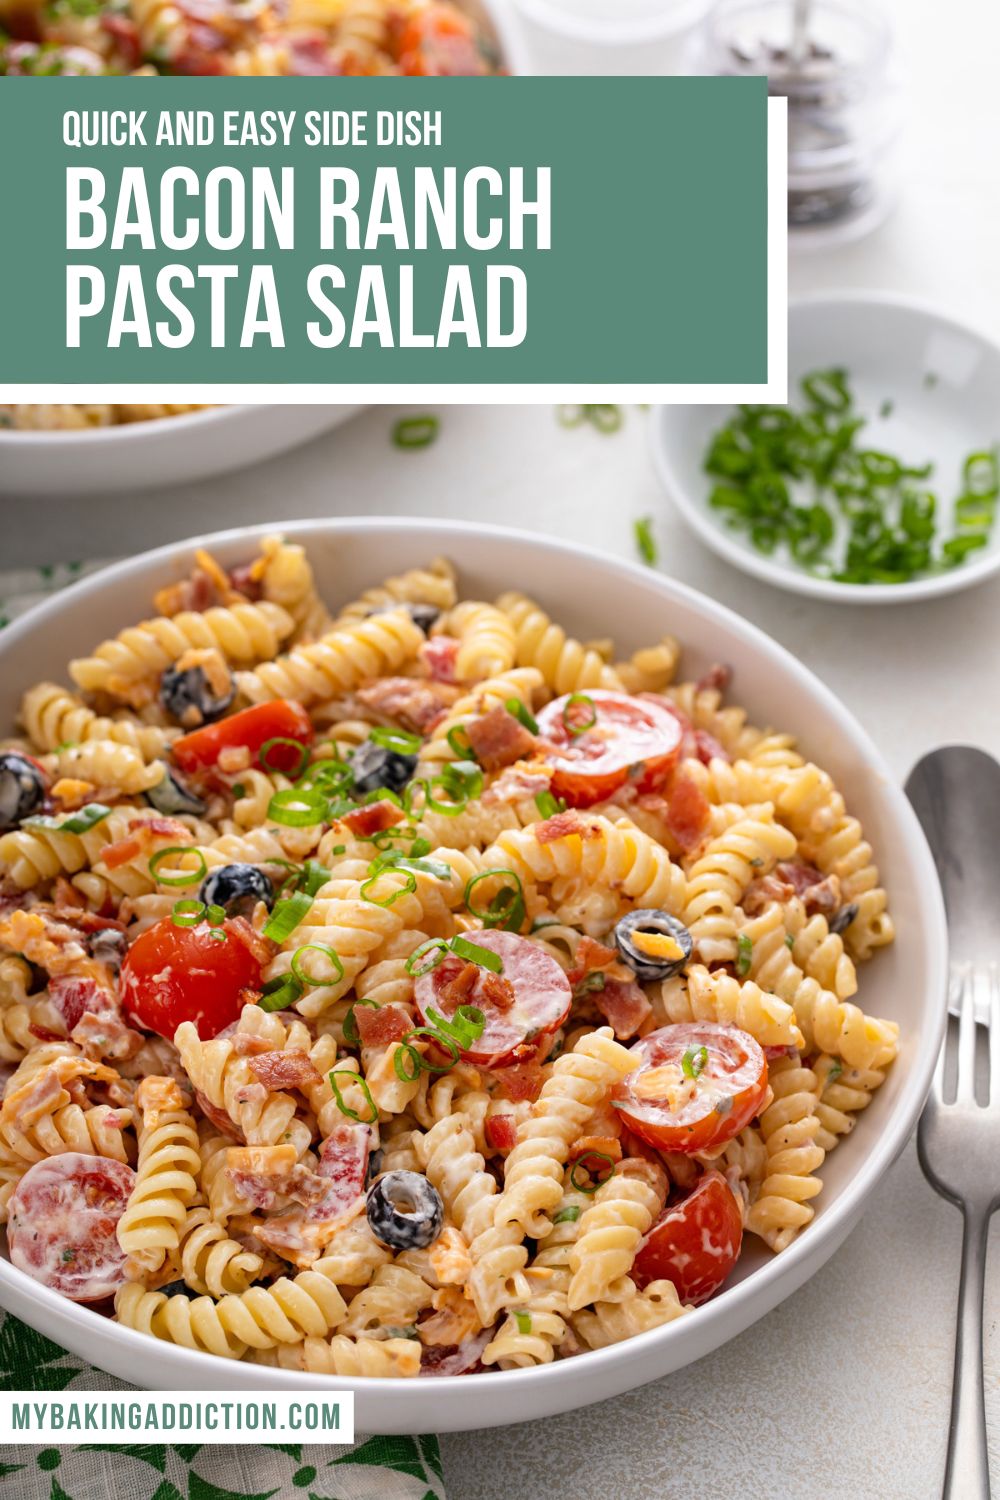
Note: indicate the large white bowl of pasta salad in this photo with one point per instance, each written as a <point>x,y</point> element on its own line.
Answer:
<point>419,958</point>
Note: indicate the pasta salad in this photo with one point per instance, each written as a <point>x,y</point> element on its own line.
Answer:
<point>76,417</point>
<point>295,38</point>
<point>398,986</point>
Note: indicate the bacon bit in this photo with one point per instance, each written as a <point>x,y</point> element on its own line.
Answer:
<point>688,812</point>
<point>516,784</point>
<point>771,1053</point>
<point>501,1132</point>
<point>258,1173</point>
<point>623,1005</point>
<point>377,1028</point>
<point>455,1359</point>
<point>495,990</point>
<point>44,1034</point>
<point>456,984</point>
<point>819,893</point>
<point>375,818</point>
<point>762,891</point>
<point>439,655</point>
<point>139,836</point>
<point>218,1117</point>
<point>246,580</point>
<point>605,1145</point>
<point>498,739</point>
<point>120,852</point>
<point>522,1080</point>
<point>66,897</point>
<point>302,1232</point>
<point>415,703</point>
<point>561,826</point>
<point>106,1035</point>
<point>245,1044</point>
<point>202,590</point>
<point>590,955</point>
<point>125,33</point>
<point>718,677</point>
<point>260,947</point>
<point>289,1069</point>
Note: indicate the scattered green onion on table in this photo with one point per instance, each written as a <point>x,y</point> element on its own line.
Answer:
<point>803,479</point>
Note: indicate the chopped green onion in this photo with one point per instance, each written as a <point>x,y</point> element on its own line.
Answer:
<point>462,747</point>
<point>693,1061</point>
<point>239,791</point>
<point>645,540</point>
<point>417,1059</point>
<point>476,955</point>
<point>507,908</point>
<point>567,1215</point>
<point>597,1178</point>
<point>789,940</point>
<point>744,955</point>
<point>415,432</point>
<point>522,715</point>
<point>296,745</point>
<point>280,992</point>
<point>549,805</point>
<point>188,913</point>
<point>413,966</point>
<point>573,723</point>
<point>298,807</point>
<point>187,877</point>
<point>396,739</point>
<point>462,781</point>
<point>465,1027</point>
<point>590,984</point>
<point>351,1034</point>
<point>408,887</point>
<point>345,1109</point>
<point>395,859</point>
<point>522,1319</point>
<point>81,822</point>
<point>835,1070</point>
<point>305,978</point>
<point>288,912</point>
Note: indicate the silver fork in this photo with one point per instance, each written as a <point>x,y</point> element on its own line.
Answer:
<point>958,1142</point>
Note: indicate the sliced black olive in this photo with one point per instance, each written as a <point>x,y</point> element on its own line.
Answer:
<point>237,889</point>
<point>404,1211</point>
<point>375,766</point>
<point>171,796</point>
<point>842,919</point>
<point>22,789</point>
<point>190,698</point>
<point>374,1165</point>
<point>424,615</point>
<point>646,966</point>
<point>109,947</point>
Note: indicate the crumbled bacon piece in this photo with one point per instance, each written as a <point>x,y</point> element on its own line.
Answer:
<point>688,812</point>
<point>377,1028</point>
<point>245,1043</point>
<point>440,653</point>
<point>453,1320</point>
<point>218,1117</point>
<point>456,1359</point>
<point>522,1080</point>
<point>259,947</point>
<point>718,677</point>
<point>498,739</point>
<point>707,748</point>
<point>762,891</point>
<point>139,836</point>
<point>288,1069</point>
<point>259,1173</point>
<point>66,897</point>
<point>415,703</point>
<point>300,1233</point>
<point>819,893</point>
<point>105,1035</point>
<point>561,826</point>
<point>246,580</point>
<point>376,817</point>
<point>623,1005</point>
<point>495,990</point>
<point>590,955</point>
<point>501,1132</point>
<point>456,982</point>
<point>516,784</point>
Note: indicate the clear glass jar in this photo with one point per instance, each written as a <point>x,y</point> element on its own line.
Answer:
<point>843,104</point>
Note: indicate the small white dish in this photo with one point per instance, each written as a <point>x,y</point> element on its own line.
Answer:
<point>614,22</point>
<point>590,593</point>
<point>170,450</point>
<point>941,379</point>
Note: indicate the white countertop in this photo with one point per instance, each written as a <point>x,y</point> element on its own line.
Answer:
<point>844,1390</point>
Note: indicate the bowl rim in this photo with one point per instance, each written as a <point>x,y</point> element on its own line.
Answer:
<point>671,22</point>
<point>733,1309</point>
<point>741,555</point>
<point>127,432</point>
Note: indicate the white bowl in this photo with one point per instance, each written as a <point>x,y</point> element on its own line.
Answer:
<point>592,594</point>
<point>943,380</point>
<point>171,450</point>
<point>603,23</point>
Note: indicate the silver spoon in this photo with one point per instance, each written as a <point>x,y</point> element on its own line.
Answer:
<point>956,794</point>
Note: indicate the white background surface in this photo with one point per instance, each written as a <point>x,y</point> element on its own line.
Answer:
<point>844,1391</point>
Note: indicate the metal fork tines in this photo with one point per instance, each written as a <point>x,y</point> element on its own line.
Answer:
<point>958,1142</point>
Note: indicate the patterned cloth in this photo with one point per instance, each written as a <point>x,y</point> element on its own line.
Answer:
<point>377,1468</point>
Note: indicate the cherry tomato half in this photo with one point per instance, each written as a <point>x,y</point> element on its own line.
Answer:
<point>63,1218</point>
<point>173,974</point>
<point>439,42</point>
<point>601,740</point>
<point>694,1243</point>
<point>697,1084</point>
<point>252,727</point>
<point>534,1001</point>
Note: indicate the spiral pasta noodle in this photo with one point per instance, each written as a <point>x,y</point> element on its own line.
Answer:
<point>166,1177</point>
<point>566,665</point>
<point>286,1312</point>
<point>338,661</point>
<point>53,716</point>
